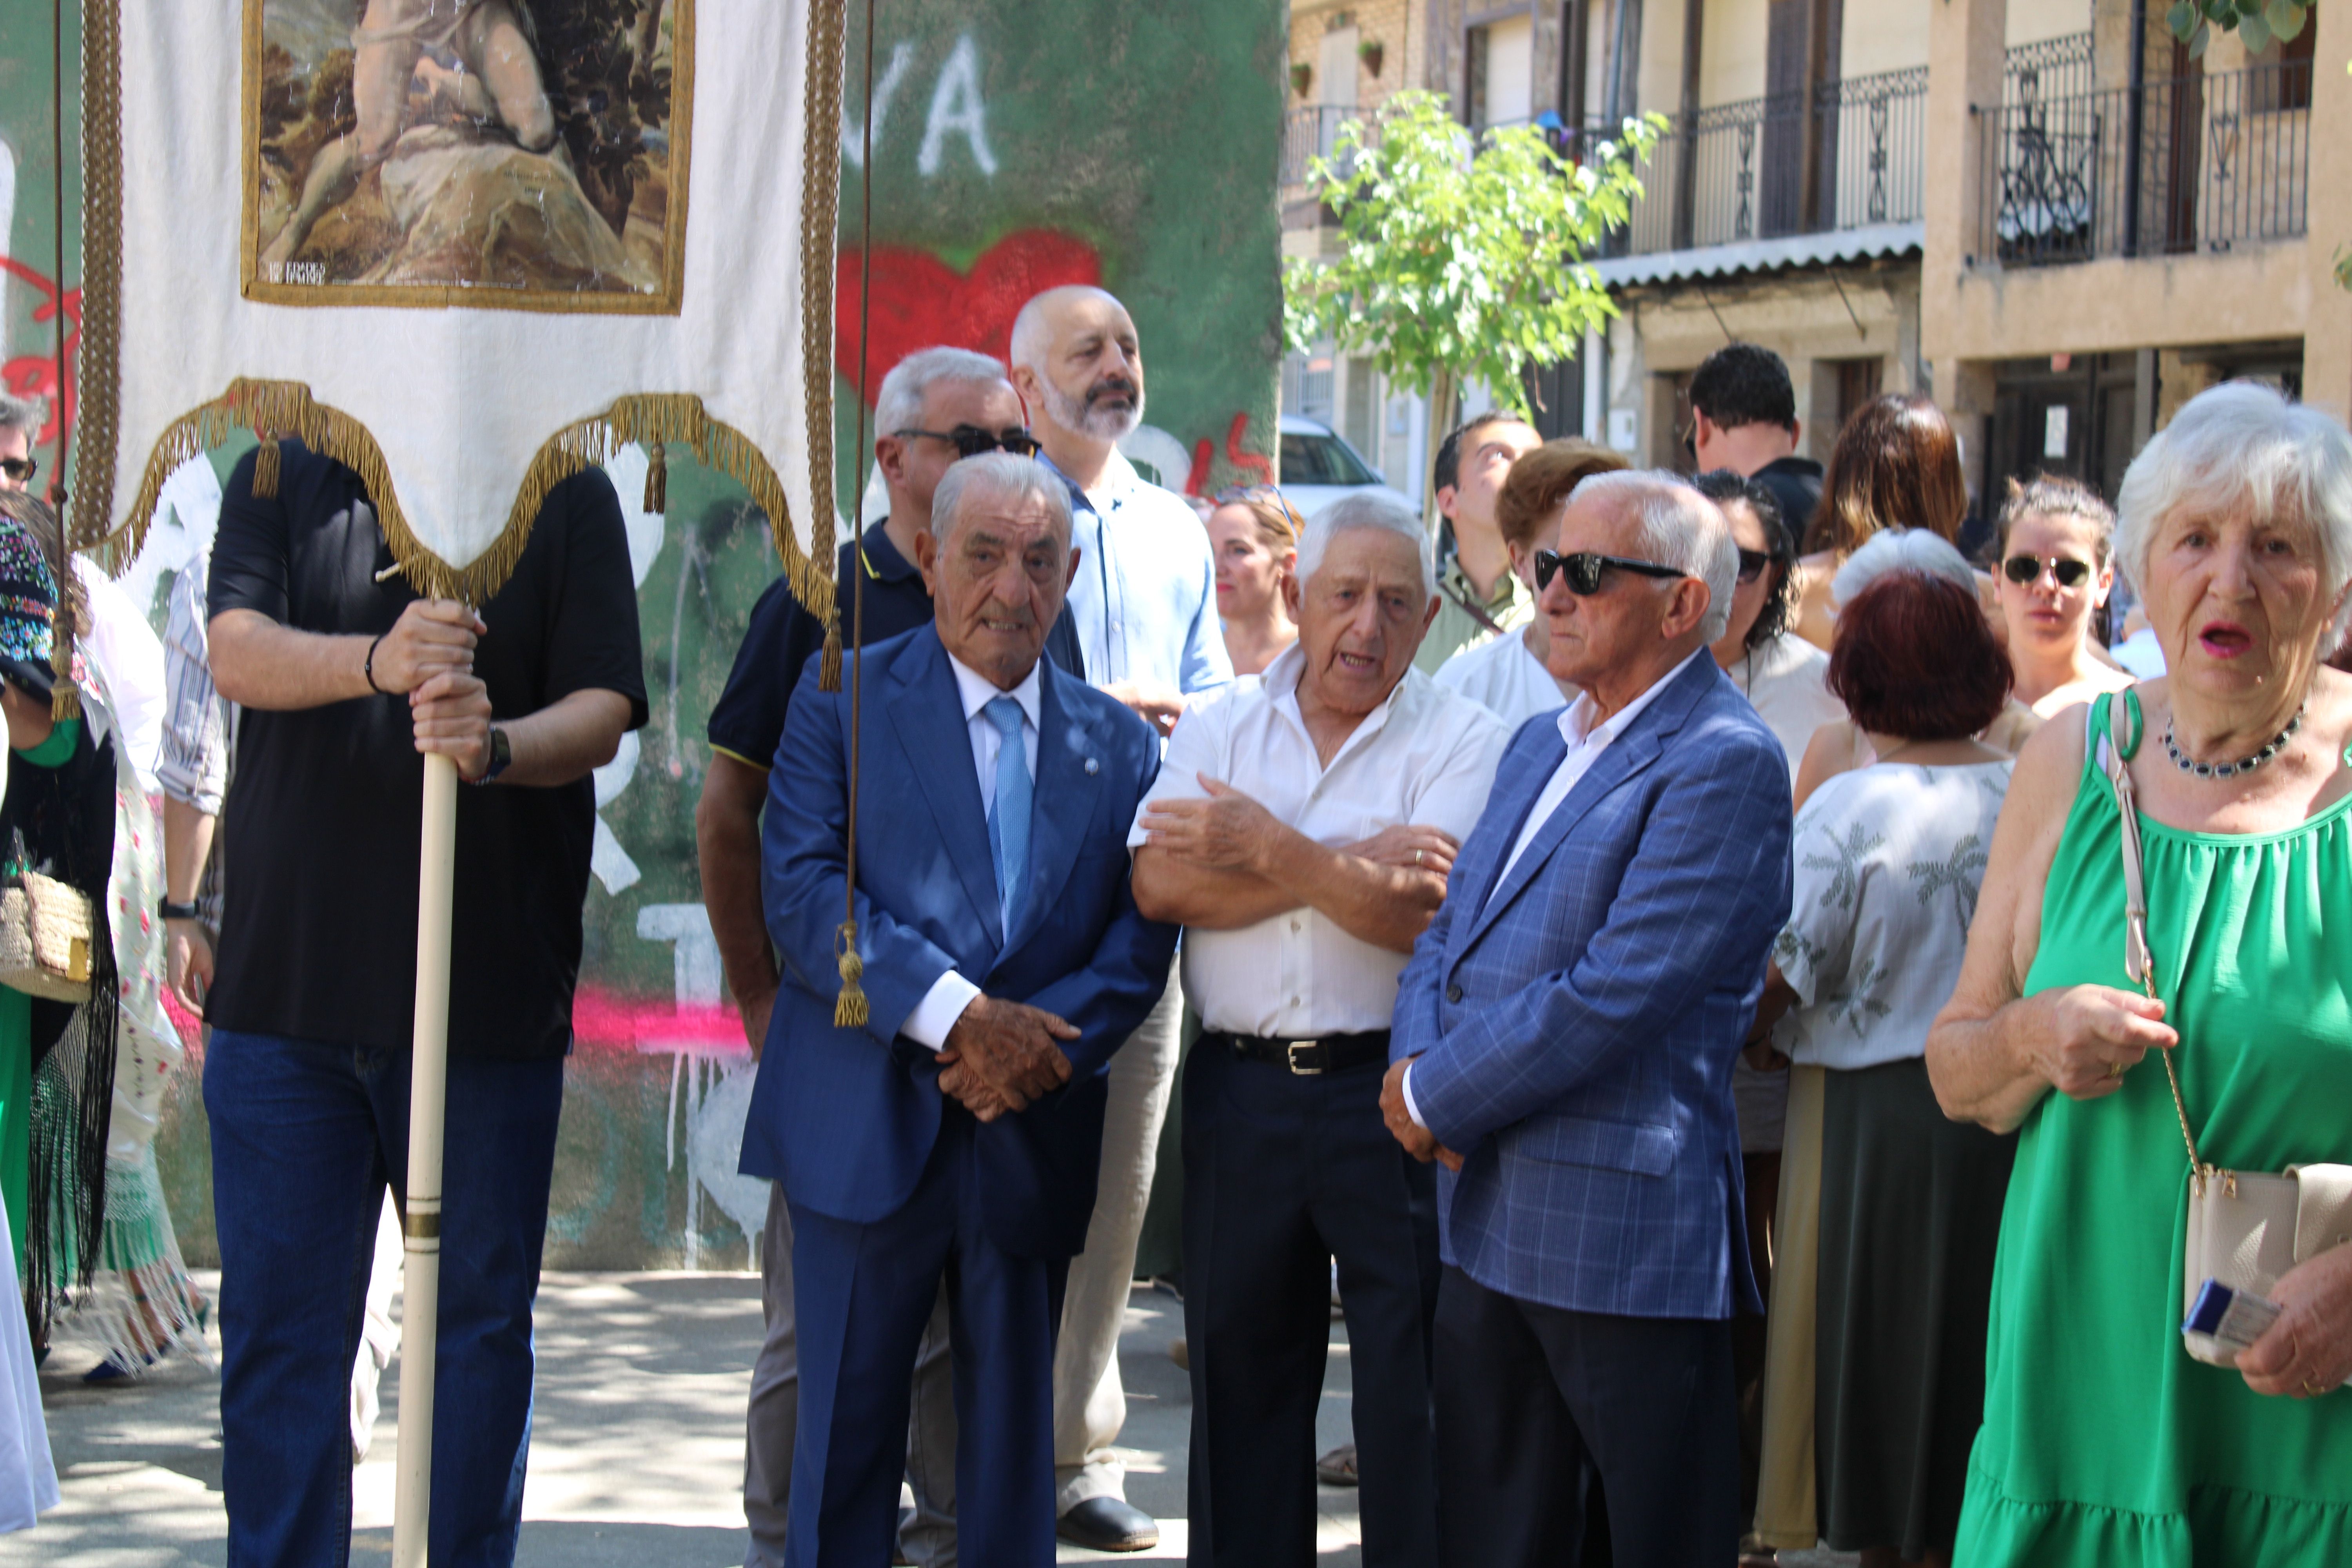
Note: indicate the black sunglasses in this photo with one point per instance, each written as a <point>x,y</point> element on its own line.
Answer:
<point>970,441</point>
<point>20,469</point>
<point>1585,569</point>
<point>2070,573</point>
<point>1752,563</point>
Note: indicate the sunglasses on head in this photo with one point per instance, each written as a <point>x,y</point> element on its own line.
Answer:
<point>1585,569</point>
<point>20,469</point>
<point>970,441</point>
<point>2070,573</point>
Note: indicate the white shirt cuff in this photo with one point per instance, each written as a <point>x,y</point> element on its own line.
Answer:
<point>1405,1083</point>
<point>937,1013</point>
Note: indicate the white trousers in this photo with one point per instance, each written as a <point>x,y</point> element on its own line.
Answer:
<point>1089,1402</point>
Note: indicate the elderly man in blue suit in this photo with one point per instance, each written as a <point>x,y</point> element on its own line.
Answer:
<point>1563,1044</point>
<point>956,1136</point>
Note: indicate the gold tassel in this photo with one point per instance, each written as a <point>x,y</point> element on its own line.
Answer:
<point>265,471</point>
<point>65,697</point>
<point>657,478</point>
<point>828,674</point>
<point>850,1011</point>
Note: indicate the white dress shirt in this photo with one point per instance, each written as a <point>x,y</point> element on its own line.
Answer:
<point>950,994</point>
<point>1505,677</point>
<point>1586,741</point>
<point>1425,756</point>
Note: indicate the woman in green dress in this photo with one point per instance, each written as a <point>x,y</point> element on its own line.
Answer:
<point>2102,1441</point>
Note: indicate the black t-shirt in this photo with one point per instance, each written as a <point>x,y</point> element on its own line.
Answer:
<point>1796,484</point>
<point>749,719</point>
<point>319,932</point>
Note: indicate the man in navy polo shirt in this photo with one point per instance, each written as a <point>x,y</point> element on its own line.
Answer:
<point>937,406</point>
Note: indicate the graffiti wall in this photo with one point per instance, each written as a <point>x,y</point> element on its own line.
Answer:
<point>1015,147</point>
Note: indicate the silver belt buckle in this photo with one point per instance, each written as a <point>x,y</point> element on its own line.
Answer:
<point>1297,1046</point>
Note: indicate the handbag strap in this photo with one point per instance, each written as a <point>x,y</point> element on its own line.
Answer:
<point>2139,960</point>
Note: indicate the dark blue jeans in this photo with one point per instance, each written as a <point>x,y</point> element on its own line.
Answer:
<point>304,1136</point>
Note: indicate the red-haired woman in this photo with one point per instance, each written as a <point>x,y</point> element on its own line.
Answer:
<point>1888,860</point>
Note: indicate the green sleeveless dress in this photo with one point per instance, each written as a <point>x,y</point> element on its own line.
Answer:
<point>2103,1442</point>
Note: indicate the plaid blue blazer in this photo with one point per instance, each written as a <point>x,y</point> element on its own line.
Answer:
<point>1577,1024</point>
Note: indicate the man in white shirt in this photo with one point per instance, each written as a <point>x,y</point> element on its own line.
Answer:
<point>1302,828</point>
<point>1145,604</point>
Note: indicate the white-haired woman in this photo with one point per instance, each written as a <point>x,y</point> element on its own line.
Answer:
<point>2102,1441</point>
<point>1842,745</point>
<point>2053,542</point>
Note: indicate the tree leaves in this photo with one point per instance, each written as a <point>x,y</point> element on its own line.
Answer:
<point>1457,254</point>
<point>2256,22</point>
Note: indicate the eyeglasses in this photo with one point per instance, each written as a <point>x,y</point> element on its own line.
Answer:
<point>20,469</point>
<point>970,441</point>
<point>2070,573</point>
<point>1752,563</point>
<point>1585,569</point>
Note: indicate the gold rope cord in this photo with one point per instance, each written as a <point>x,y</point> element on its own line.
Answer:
<point>819,211</point>
<point>99,413</point>
<point>273,408</point>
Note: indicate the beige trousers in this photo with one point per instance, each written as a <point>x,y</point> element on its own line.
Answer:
<point>1787,1497</point>
<point>1089,1401</point>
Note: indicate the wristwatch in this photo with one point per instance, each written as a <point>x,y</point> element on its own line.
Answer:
<point>501,754</point>
<point>171,911</point>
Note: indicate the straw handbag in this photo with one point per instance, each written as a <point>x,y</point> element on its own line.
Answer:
<point>45,937</point>
<point>2245,1227</point>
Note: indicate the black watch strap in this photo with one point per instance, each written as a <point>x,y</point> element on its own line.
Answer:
<point>171,911</point>
<point>501,754</point>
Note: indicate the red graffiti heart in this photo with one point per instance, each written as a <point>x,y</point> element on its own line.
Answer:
<point>920,301</point>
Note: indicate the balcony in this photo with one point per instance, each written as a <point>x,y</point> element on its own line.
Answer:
<point>2191,164</point>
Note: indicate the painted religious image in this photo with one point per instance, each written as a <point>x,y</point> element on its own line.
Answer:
<point>503,154</point>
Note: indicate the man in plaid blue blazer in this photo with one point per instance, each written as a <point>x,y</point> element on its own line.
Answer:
<point>1563,1044</point>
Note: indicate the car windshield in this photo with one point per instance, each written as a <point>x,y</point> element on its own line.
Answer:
<point>1318,459</point>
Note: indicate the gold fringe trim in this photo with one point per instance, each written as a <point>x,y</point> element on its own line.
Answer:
<point>828,669</point>
<point>286,407</point>
<point>849,1009</point>
<point>266,459</point>
<point>657,478</point>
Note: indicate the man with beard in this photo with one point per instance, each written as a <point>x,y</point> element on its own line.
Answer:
<point>1145,603</point>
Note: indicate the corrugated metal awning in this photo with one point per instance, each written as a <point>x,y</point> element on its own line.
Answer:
<point>1792,251</point>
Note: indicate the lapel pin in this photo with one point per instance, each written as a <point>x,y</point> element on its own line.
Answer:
<point>1093,766</point>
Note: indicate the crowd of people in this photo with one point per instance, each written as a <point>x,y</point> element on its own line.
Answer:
<point>1674,958</point>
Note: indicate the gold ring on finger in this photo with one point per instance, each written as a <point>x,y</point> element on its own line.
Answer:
<point>2114,1069</point>
<point>2312,1390</point>
<point>1416,859</point>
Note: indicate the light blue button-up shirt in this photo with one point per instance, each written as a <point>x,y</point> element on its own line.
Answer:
<point>1145,601</point>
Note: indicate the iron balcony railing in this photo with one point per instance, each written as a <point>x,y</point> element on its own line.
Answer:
<point>2189,163</point>
<point>1309,133</point>
<point>1850,154</point>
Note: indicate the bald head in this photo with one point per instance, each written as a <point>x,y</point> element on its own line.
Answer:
<point>1076,362</point>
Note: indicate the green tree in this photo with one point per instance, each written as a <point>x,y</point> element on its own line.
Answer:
<point>1460,257</point>
<point>2255,21</point>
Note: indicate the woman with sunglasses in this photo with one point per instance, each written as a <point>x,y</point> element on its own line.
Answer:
<point>2054,576</point>
<point>1783,675</point>
<point>1254,543</point>
<point>1507,674</point>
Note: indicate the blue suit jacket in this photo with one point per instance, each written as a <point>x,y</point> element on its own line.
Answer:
<point>845,1118</point>
<point>1577,1029</point>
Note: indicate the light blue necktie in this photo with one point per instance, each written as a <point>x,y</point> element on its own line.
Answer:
<point>1008,817</point>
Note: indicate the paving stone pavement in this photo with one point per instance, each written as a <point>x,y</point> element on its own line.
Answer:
<point>636,1443</point>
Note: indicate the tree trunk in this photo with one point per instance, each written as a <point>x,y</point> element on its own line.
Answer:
<point>1444,397</point>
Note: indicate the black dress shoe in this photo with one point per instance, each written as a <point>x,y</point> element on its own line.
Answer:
<point>1108,1524</point>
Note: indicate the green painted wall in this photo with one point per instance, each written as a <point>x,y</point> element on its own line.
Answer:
<point>1015,145</point>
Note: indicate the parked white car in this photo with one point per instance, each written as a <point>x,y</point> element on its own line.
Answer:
<point>1319,467</point>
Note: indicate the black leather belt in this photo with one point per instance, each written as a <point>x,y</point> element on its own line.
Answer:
<point>1307,1059</point>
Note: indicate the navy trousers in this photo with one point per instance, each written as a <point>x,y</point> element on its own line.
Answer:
<point>304,1136</point>
<point>1284,1173</point>
<point>1537,1409</point>
<point>861,1295</point>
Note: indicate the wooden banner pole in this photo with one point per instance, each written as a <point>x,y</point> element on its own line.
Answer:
<point>421,1219</point>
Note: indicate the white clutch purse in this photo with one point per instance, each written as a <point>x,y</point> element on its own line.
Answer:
<point>44,933</point>
<point>2245,1228</point>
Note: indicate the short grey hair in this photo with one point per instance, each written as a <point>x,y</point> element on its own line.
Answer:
<point>1029,348</point>
<point>1901,550</point>
<point>1678,527</point>
<point>899,405</point>
<point>2235,444</point>
<point>1366,510</point>
<point>999,476</point>
<point>26,413</point>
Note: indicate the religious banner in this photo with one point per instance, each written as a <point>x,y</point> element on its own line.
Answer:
<point>467,247</point>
